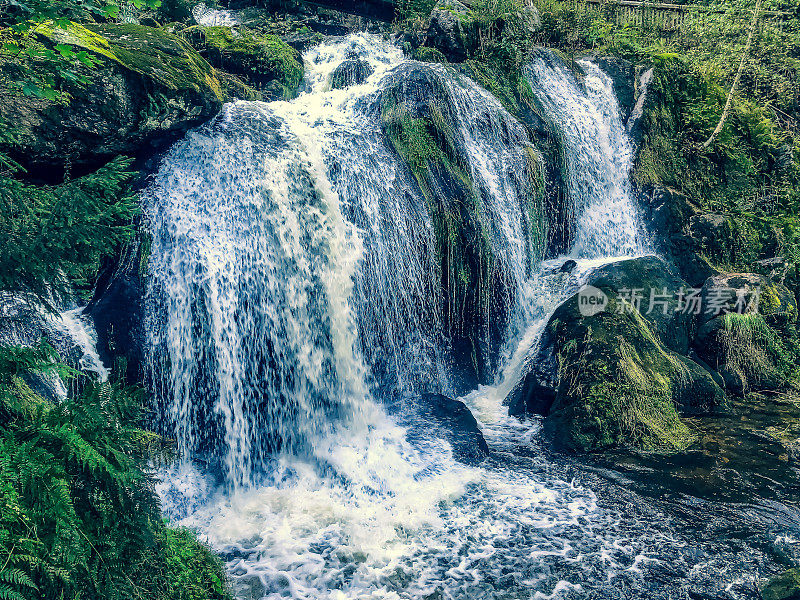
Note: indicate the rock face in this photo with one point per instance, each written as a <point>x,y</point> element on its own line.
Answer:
<point>149,88</point>
<point>117,310</point>
<point>351,72</point>
<point>437,416</point>
<point>613,378</point>
<point>623,76</point>
<point>265,62</point>
<point>669,215</point>
<point>451,30</point>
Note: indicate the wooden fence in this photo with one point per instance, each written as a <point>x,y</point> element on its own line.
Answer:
<point>657,14</point>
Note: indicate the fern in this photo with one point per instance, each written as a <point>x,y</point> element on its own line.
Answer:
<point>78,517</point>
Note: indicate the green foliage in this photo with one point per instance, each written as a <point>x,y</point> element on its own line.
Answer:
<point>55,236</point>
<point>754,352</point>
<point>409,10</point>
<point>22,20</point>
<point>78,517</point>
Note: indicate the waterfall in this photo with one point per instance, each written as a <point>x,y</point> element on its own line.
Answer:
<point>598,155</point>
<point>290,248</point>
<point>293,279</point>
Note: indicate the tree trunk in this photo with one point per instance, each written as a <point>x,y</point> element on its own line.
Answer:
<point>728,102</point>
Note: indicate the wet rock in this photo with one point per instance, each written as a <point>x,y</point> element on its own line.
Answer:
<point>421,120</point>
<point>437,416</point>
<point>774,301</point>
<point>673,328</point>
<point>451,30</point>
<point>618,386</point>
<point>611,377</point>
<point>117,309</point>
<point>25,322</point>
<point>350,72</point>
<point>568,266</point>
<point>667,212</point>
<point>623,75</point>
<point>149,88</point>
<point>785,586</point>
<point>653,286</point>
<point>264,61</point>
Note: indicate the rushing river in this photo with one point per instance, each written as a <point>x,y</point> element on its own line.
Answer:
<point>293,275</point>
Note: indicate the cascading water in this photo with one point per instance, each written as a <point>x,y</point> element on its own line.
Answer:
<point>597,152</point>
<point>291,268</point>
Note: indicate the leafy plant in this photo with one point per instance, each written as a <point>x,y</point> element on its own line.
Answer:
<point>78,516</point>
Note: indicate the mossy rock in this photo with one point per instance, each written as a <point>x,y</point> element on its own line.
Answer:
<point>419,119</point>
<point>452,31</point>
<point>774,301</point>
<point>747,352</point>
<point>148,88</point>
<point>265,62</point>
<point>649,277</point>
<point>236,89</point>
<point>618,386</point>
<point>785,586</point>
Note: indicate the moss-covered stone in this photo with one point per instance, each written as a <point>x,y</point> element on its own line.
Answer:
<point>148,87</point>
<point>264,61</point>
<point>785,586</point>
<point>419,120</point>
<point>234,88</point>
<point>748,353</point>
<point>618,386</point>
<point>646,278</point>
<point>610,376</point>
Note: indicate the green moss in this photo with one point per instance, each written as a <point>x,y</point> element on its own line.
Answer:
<point>264,60</point>
<point>751,349</point>
<point>426,54</point>
<point>153,53</point>
<point>618,386</point>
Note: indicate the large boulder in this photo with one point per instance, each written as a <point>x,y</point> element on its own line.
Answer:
<point>452,30</point>
<point>617,386</point>
<point>635,280</point>
<point>610,372</point>
<point>266,62</point>
<point>432,416</point>
<point>352,71</point>
<point>421,121</point>
<point>748,293</point>
<point>653,287</point>
<point>785,586</point>
<point>148,88</point>
<point>429,418</point>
